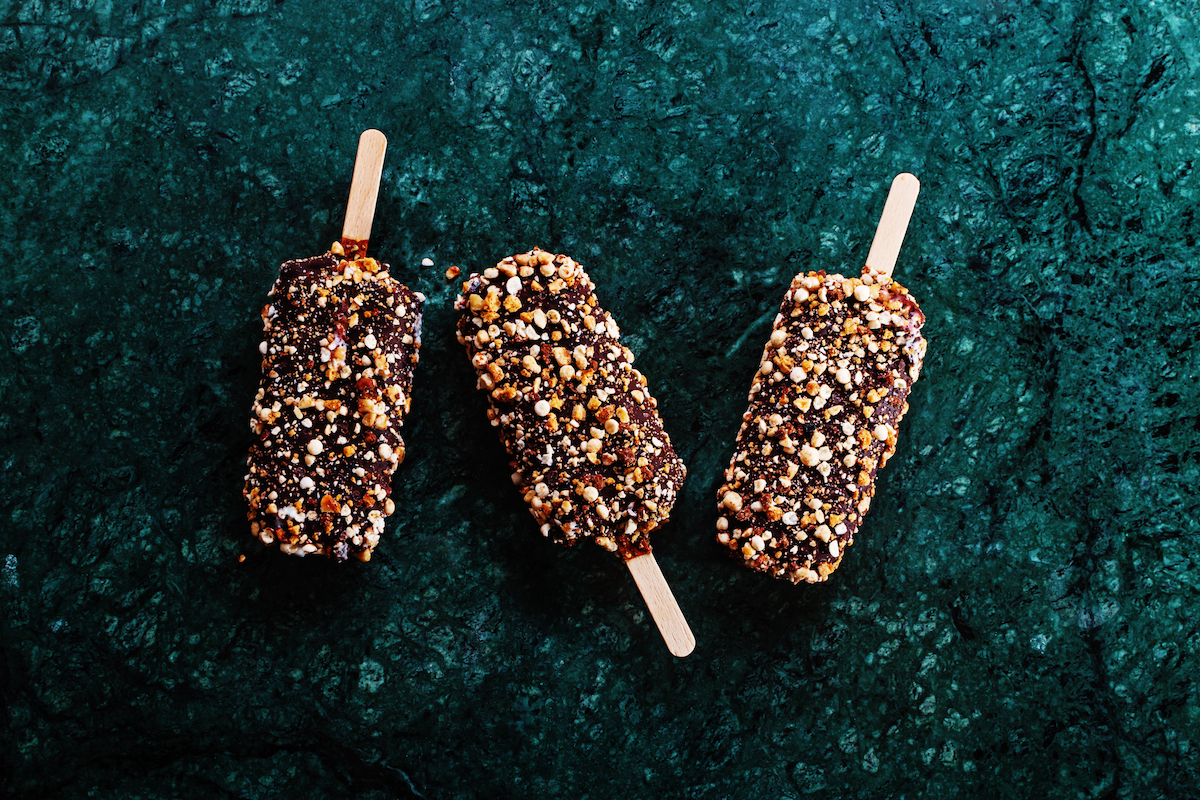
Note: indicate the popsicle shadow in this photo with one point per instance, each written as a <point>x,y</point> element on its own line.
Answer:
<point>541,580</point>
<point>734,608</point>
<point>282,585</point>
<point>549,581</point>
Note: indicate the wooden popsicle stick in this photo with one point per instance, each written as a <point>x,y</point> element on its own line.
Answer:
<point>364,190</point>
<point>662,605</point>
<point>893,224</point>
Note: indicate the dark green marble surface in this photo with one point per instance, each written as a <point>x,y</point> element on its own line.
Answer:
<point>1018,617</point>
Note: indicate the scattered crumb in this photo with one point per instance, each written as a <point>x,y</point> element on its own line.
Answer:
<point>452,273</point>
<point>426,262</point>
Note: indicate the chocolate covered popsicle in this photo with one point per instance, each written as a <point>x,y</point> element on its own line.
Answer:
<point>825,410</point>
<point>341,339</point>
<point>588,448</point>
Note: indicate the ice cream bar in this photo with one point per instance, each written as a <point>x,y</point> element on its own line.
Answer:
<point>589,451</point>
<point>588,448</point>
<point>341,339</point>
<point>825,410</point>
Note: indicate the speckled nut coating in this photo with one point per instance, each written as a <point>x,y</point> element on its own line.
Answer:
<point>341,341</point>
<point>825,407</point>
<point>589,451</point>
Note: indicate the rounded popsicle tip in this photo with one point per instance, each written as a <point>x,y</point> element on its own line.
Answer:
<point>682,648</point>
<point>373,136</point>
<point>906,187</point>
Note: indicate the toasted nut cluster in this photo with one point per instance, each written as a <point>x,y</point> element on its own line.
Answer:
<point>589,451</point>
<point>825,406</point>
<point>341,340</point>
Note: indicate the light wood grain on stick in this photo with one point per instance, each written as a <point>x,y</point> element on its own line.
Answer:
<point>893,224</point>
<point>364,187</point>
<point>662,605</point>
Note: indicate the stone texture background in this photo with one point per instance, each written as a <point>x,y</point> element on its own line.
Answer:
<point>1018,617</point>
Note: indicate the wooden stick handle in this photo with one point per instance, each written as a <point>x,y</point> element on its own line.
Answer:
<point>662,605</point>
<point>364,189</point>
<point>892,225</point>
